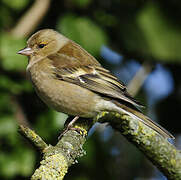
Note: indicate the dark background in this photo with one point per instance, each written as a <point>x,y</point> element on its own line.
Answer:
<point>124,36</point>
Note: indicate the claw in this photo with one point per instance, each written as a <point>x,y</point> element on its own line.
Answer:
<point>70,127</point>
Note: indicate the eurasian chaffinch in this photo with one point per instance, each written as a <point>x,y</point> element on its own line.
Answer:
<point>70,80</point>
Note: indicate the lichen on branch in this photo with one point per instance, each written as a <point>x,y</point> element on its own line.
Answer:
<point>157,149</point>
<point>57,159</point>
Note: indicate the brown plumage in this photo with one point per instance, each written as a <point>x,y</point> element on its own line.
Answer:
<point>69,79</point>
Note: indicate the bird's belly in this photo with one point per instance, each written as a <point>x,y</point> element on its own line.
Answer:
<point>66,97</point>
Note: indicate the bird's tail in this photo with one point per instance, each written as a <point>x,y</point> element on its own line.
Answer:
<point>145,120</point>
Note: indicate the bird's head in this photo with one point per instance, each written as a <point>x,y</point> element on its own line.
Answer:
<point>43,43</point>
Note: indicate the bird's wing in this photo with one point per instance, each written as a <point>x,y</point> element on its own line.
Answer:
<point>100,80</point>
<point>97,79</point>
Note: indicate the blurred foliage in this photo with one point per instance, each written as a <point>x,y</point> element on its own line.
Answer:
<point>77,29</point>
<point>81,3</point>
<point>8,50</point>
<point>16,4</point>
<point>141,30</point>
<point>163,38</point>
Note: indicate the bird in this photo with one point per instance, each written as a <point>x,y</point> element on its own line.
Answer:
<point>70,80</point>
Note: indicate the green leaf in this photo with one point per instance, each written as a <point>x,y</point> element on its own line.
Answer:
<point>82,3</point>
<point>27,159</point>
<point>6,18</point>
<point>15,87</point>
<point>16,4</point>
<point>12,61</point>
<point>162,37</point>
<point>83,31</point>
<point>8,125</point>
<point>50,123</point>
<point>5,103</point>
<point>20,161</point>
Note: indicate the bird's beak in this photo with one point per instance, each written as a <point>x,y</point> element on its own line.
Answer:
<point>27,51</point>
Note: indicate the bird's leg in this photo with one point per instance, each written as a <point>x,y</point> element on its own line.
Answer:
<point>69,127</point>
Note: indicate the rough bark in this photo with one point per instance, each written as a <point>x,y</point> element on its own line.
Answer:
<point>57,159</point>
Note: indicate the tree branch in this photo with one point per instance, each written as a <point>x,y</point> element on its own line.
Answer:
<point>36,140</point>
<point>57,159</point>
<point>139,78</point>
<point>156,148</point>
<point>31,18</point>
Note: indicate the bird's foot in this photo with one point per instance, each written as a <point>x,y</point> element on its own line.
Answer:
<point>70,127</point>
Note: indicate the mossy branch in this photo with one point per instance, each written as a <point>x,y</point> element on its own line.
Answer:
<point>57,159</point>
<point>156,148</point>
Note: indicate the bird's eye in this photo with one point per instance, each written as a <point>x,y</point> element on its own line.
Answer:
<point>41,45</point>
